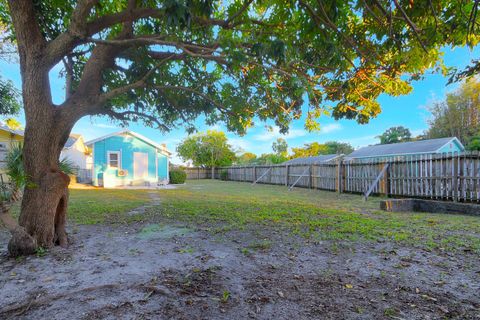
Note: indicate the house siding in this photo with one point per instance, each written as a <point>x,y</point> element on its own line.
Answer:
<point>452,146</point>
<point>7,139</point>
<point>77,154</point>
<point>162,167</point>
<point>126,145</point>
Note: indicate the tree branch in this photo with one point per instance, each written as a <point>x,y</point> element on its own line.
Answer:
<point>411,24</point>
<point>124,116</point>
<point>239,12</point>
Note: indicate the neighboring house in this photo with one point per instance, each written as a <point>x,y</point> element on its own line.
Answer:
<point>326,158</point>
<point>413,148</point>
<point>76,151</point>
<point>8,137</point>
<point>127,158</point>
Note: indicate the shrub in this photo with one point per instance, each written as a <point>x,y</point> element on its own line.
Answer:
<point>224,175</point>
<point>177,176</point>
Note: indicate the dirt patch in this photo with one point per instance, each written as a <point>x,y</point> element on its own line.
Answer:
<point>154,271</point>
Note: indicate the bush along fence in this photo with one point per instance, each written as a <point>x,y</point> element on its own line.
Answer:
<point>449,176</point>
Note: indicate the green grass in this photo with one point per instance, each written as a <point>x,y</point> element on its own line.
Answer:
<point>222,206</point>
<point>92,206</point>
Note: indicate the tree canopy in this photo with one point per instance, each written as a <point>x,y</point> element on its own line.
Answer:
<point>280,147</point>
<point>458,115</point>
<point>167,62</point>
<point>9,98</point>
<point>246,158</point>
<point>208,149</point>
<point>316,149</point>
<point>395,135</point>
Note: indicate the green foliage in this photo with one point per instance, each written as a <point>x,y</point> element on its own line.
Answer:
<point>177,176</point>
<point>316,149</point>
<point>246,158</point>
<point>270,158</point>
<point>395,135</point>
<point>280,147</point>
<point>14,166</point>
<point>224,175</point>
<point>9,98</point>
<point>16,173</point>
<point>474,144</point>
<point>210,149</point>
<point>236,61</point>
<point>68,167</point>
<point>458,115</point>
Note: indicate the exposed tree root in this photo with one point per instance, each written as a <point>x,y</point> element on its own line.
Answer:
<point>21,242</point>
<point>22,308</point>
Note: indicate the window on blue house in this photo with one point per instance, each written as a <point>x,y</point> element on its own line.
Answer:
<point>114,159</point>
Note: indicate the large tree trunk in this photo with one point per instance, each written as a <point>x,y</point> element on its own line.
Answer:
<point>45,198</point>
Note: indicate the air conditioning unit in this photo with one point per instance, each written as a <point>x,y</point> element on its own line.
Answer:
<point>122,172</point>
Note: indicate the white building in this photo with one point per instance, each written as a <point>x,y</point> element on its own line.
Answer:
<point>76,151</point>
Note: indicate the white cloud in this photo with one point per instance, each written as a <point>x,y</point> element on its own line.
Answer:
<point>332,127</point>
<point>275,133</point>
<point>105,126</point>
<point>239,143</point>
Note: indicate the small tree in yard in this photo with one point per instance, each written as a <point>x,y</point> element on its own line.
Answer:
<point>209,149</point>
<point>167,62</point>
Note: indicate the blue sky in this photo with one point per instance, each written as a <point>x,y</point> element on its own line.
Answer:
<point>409,111</point>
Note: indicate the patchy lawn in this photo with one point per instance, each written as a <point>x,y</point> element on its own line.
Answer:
<point>93,206</point>
<point>226,250</point>
<point>313,214</point>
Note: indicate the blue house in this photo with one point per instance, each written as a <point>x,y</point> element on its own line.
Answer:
<point>127,158</point>
<point>407,149</point>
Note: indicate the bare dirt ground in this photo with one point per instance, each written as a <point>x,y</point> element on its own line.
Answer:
<point>165,271</point>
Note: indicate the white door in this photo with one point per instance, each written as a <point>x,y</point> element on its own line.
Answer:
<point>140,165</point>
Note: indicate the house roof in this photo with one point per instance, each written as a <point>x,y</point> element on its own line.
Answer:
<point>71,140</point>
<point>160,147</point>
<point>413,147</point>
<point>312,160</point>
<point>16,132</point>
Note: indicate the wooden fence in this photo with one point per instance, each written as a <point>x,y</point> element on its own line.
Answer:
<point>446,176</point>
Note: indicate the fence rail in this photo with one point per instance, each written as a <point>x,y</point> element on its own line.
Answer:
<point>448,176</point>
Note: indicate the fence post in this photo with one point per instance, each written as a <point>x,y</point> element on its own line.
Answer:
<point>387,180</point>
<point>339,176</point>
<point>310,176</point>
<point>287,169</point>
<point>455,177</point>
<point>254,173</point>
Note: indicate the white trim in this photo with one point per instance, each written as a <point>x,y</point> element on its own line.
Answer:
<point>14,132</point>
<point>137,135</point>
<point>119,159</point>
<point>453,139</point>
